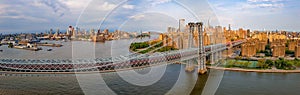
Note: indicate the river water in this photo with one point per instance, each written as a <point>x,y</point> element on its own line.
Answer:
<point>158,80</point>
<point>251,83</point>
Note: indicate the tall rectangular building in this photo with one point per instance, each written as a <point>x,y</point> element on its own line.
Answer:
<point>278,51</point>
<point>181,25</point>
<point>261,46</point>
<point>292,45</point>
<point>297,51</point>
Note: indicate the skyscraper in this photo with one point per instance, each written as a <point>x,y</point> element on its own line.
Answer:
<point>50,33</point>
<point>57,32</point>
<point>181,25</point>
<point>73,33</point>
<point>69,31</point>
<point>229,27</point>
<point>106,31</point>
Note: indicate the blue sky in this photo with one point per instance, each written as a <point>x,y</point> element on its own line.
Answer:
<point>146,15</point>
<point>259,14</point>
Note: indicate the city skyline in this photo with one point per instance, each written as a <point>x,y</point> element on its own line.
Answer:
<point>150,47</point>
<point>39,15</point>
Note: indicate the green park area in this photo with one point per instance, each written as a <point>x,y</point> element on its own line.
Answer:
<point>263,64</point>
<point>150,47</point>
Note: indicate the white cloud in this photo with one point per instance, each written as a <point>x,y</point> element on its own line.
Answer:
<point>107,6</point>
<point>137,17</point>
<point>254,1</point>
<point>76,6</point>
<point>3,8</point>
<point>56,6</point>
<point>30,18</point>
<point>127,6</point>
<point>262,5</point>
<point>256,14</point>
<point>157,2</point>
<point>36,3</point>
<point>269,5</point>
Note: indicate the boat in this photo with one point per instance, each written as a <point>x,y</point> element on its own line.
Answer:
<point>1,50</point>
<point>64,40</point>
<point>49,49</point>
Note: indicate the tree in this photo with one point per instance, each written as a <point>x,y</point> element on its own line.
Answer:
<point>261,63</point>
<point>289,65</point>
<point>289,52</point>
<point>282,64</point>
<point>230,63</point>
<point>238,58</point>
<point>247,64</point>
<point>269,62</point>
<point>268,53</point>
<point>268,47</point>
<point>296,59</point>
<point>139,45</point>
<point>281,58</point>
<point>287,44</point>
<point>10,45</point>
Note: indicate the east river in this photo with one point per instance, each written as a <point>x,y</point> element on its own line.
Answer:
<point>165,79</point>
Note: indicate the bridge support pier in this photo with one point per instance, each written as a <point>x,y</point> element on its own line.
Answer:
<point>220,55</point>
<point>202,72</point>
<point>201,65</point>
<point>189,66</point>
<point>217,56</point>
<point>212,61</point>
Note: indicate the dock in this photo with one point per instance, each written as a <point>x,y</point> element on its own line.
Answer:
<point>49,45</point>
<point>25,48</point>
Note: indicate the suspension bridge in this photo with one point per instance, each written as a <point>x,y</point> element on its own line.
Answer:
<point>121,62</point>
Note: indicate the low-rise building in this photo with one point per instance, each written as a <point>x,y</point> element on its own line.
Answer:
<point>297,51</point>
<point>248,49</point>
<point>292,45</point>
<point>262,46</point>
<point>278,50</point>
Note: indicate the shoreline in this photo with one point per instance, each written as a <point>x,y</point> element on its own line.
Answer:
<point>254,70</point>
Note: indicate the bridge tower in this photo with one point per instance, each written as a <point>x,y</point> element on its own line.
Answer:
<point>189,66</point>
<point>201,59</point>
